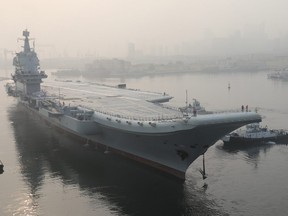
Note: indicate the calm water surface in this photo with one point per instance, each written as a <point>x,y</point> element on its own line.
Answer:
<point>49,173</point>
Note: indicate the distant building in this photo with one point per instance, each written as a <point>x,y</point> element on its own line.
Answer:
<point>107,67</point>
<point>131,51</point>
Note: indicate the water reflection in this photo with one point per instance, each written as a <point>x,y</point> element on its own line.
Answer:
<point>124,187</point>
<point>251,153</point>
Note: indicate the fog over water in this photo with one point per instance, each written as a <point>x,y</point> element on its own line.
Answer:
<point>162,27</point>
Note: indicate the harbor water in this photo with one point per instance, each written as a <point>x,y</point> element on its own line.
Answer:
<point>47,172</point>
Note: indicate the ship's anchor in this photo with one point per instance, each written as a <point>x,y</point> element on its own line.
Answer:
<point>203,172</point>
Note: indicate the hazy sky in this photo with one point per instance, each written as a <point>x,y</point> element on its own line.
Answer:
<point>106,27</point>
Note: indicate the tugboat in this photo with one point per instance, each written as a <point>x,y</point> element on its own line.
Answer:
<point>254,133</point>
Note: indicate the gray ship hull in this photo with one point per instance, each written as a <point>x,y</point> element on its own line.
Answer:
<point>171,152</point>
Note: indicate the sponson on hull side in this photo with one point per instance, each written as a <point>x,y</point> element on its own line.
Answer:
<point>136,124</point>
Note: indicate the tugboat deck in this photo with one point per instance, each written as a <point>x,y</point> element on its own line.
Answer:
<point>112,100</point>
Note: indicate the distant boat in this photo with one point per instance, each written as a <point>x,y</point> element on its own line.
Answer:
<point>281,75</point>
<point>254,133</point>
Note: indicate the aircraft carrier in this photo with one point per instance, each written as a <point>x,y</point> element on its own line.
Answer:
<point>133,123</point>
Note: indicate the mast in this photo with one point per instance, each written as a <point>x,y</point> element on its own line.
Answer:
<point>26,41</point>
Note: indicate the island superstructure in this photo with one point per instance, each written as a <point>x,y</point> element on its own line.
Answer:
<point>133,123</point>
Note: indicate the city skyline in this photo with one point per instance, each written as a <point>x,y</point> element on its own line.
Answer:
<point>164,27</point>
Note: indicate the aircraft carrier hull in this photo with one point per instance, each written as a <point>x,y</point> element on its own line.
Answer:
<point>170,152</point>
